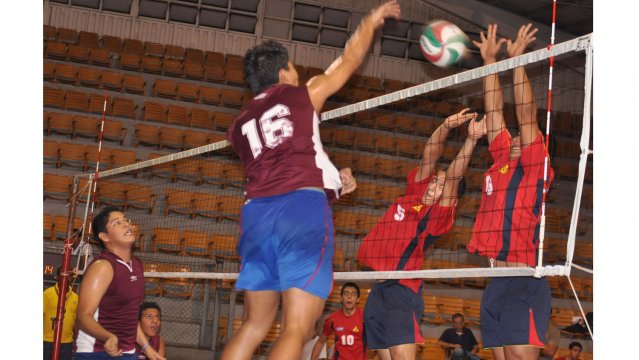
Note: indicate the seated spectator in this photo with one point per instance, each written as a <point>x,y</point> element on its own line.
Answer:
<point>150,320</point>
<point>459,341</point>
<point>575,352</point>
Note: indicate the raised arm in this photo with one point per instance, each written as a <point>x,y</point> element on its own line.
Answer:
<point>94,285</point>
<point>455,172</point>
<point>489,47</point>
<point>435,145</point>
<point>322,86</point>
<point>525,107</point>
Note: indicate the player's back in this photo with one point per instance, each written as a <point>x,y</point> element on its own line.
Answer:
<point>277,138</point>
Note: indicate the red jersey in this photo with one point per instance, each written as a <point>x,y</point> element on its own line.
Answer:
<point>405,231</point>
<point>118,310</point>
<point>349,334</point>
<point>278,140</point>
<point>507,223</point>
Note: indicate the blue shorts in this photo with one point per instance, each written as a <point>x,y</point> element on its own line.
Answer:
<point>515,311</point>
<point>391,315</point>
<point>287,242</point>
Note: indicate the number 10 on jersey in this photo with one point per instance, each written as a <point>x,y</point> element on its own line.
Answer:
<point>275,128</point>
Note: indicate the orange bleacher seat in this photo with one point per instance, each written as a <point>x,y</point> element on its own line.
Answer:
<point>48,71</point>
<point>196,243</point>
<point>133,84</point>
<point>151,64</point>
<point>111,43</point>
<point>111,193</point>
<point>224,245</point>
<point>72,154</point>
<point>165,88</point>
<point>62,226</point>
<point>121,158</point>
<point>53,97</point>
<point>209,95</point>
<point>57,187</point>
<point>88,39</point>
<point>153,49</point>
<point>222,120</point>
<point>172,67</point>
<point>114,131</point>
<point>60,123</point>
<point>88,77</point>
<point>154,111</point>
<point>171,138</point>
<point>49,33</point>
<point>164,170</point>
<point>100,57</point>
<point>139,197</point>
<point>201,118</point>
<point>167,240</point>
<point>132,46</point>
<point>55,50</point>
<point>177,201</point>
<point>431,314</point>
<point>91,157</point>
<point>96,104</point>
<point>193,71</point>
<point>235,76</point>
<point>50,152</point>
<point>231,98</point>
<point>67,36</point>
<point>384,144</point>
<point>132,62</point>
<point>177,115</point>
<point>76,100</point>
<point>124,107</point>
<point>147,135</point>
<point>188,92</point>
<point>206,205</point>
<point>111,80</point>
<point>47,227</point>
<point>229,207</point>
<point>194,138</point>
<point>173,52</point>
<point>66,73</point>
<point>189,170</point>
<point>194,56</point>
<point>79,53</point>
<point>214,73</point>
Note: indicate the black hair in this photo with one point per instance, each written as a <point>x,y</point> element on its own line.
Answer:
<point>349,284</point>
<point>262,64</point>
<point>149,305</point>
<point>457,315</point>
<point>575,343</point>
<point>98,225</point>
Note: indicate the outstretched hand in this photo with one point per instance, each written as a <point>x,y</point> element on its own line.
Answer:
<point>489,46</point>
<point>349,184</point>
<point>525,37</point>
<point>477,129</point>
<point>387,9</point>
<point>461,117</point>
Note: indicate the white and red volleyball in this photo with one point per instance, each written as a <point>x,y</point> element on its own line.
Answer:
<point>443,43</point>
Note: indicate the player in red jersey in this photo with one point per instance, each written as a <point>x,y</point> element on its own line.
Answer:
<point>347,325</point>
<point>398,241</point>
<point>111,293</point>
<point>287,243</point>
<point>514,310</point>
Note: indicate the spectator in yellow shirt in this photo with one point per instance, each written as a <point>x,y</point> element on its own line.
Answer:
<point>49,311</point>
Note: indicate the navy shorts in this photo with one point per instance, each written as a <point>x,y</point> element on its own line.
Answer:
<point>287,242</point>
<point>391,315</point>
<point>515,311</point>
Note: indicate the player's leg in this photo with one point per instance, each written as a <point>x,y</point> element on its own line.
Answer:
<point>260,309</point>
<point>301,311</point>
<point>403,352</point>
<point>498,353</point>
<point>383,354</point>
<point>521,352</point>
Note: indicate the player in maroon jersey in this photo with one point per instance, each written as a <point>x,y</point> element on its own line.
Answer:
<point>398,241</point>
<point>287,245</point>
<point>111,292</point>
<point>514,310</point>
<point>347,325</point>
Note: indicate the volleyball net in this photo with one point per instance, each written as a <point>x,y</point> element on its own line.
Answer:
<point>185,205</point>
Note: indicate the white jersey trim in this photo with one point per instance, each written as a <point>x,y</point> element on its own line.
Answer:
<point>330,174</point>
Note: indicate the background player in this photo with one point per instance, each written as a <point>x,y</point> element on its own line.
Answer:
<point>287,232</point>
<point>347,325</point>
<point>150,320</point>
<point>398,241</point>
<point>514,310</point>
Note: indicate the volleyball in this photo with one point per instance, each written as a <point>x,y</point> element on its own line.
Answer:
<point>443,43</point>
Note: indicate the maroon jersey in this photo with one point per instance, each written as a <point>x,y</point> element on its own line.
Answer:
<point>405,231</point>
<point>507,223</point>
<point>118,310</point>
<point>154,342</point>
<point>349,334</point>
<point>277,138</point>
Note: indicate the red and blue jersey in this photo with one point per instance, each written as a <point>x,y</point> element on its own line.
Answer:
<point>405,231</point>
<point>278,140</point>
<point>349,334</point>
<point>118,309</point>
<point>507,223</point>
